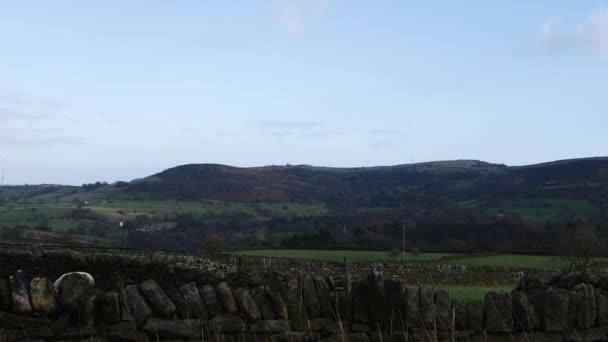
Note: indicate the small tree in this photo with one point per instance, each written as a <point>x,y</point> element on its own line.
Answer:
<point>579,246</point>
<point>213,245</point>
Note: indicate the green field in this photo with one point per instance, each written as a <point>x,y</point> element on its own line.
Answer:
<point>429,259</point>
<point>465,294</point>
<point>339,255</point>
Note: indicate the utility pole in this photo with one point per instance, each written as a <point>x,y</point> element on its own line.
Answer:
<point>403,244</point>
<point>2,180</point>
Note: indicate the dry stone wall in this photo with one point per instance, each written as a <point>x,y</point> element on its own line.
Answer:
<point>571,307</point>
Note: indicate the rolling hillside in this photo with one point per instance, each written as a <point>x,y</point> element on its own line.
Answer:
<point>463,200</point>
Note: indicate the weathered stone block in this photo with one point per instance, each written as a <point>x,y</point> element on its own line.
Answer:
<point>498,312</point>
<point>324,297</point>
<point>344,307</point>
<point>227,324</point>
<point>247,304</point>
<point>475,315</point>
<point>123,331</point>
<point>376,298</point>
<point>20,285</point>
<point>43,296</point>
<point>601,300</point>
<point>583,306</point>
<point>360,302</point>
<point>589,335</point>
<point>110,307</point>
<point>226,297</point>
<point>269,326</point>
<point>350,337</point>
<point>72,287</point>
<point>524,313</point>
<point>157,298</point>
<point>427,306</point>
<point>178,300</point>
<point>214,307</point>
<point>5,295</point>
<point>443,309</point>
<point>311,299</point>
<point>295,304</point>
<point>411,305</point>
<point>552,308</point>
<point>263,303</point>
<point>277,302</point>
<point>460,315</point>
<point>395,320</point>
<point>136,304</point>
<point>164,328</point>
<point>10,320</point>
<point>318,324</point>
<point>194,302</point>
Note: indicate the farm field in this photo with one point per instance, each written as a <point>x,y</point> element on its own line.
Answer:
<point>430,259</point>
<point>339,255</point>
<point>465,294</point>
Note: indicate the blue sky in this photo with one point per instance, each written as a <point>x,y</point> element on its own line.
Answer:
<point>116,90</point>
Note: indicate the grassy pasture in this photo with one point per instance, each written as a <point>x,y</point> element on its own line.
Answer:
<point>339,255</point>
<point>465,294</point>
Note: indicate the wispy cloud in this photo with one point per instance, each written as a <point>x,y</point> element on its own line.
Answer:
<point>20,137</point>
<point>589,37</point>
<point>386,132</point>
<point>287,124</point>
<point>296,16</point>
<point>381,144</point>
<point>319,134</point>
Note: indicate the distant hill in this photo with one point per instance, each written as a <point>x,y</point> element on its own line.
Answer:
<point>446,205</point>
<point>432,183</point>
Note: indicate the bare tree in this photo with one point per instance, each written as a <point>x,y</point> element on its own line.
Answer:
<point>579,246</point>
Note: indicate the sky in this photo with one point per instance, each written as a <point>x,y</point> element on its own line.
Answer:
<point>116,90</point>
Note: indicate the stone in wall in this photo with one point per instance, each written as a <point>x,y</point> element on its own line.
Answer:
<point>194,302</point>
<point>443,308</point>
<point>525,317</point>
<point>460,315</point>
<point>226,297</point>
<point>394,303</point>
<point>343,310</point>
<point>427,306</point>
<point>214,307</point>
<point>601,299</point>
<point>311,299</point>
<point>295,304</point>
<point>376,298</point>
<point>110,307</point>
<point>582,310</point>
<point>5,295</point>
<point>498,312</point>
<point>157,298</point>
<point>263,303</point>
<point>43,296</point>
<point>360,302</point>
<point>475,315</point>
<point>551,305</point>
<point>136,304</point>
<point>20,283</point>
<point>247,305</point>
<point>324,298</point>
<point>277,302</point>
<point>72,288</point>
<point>190,329</point>
<point>181,309</point>
<point>411,305</point>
